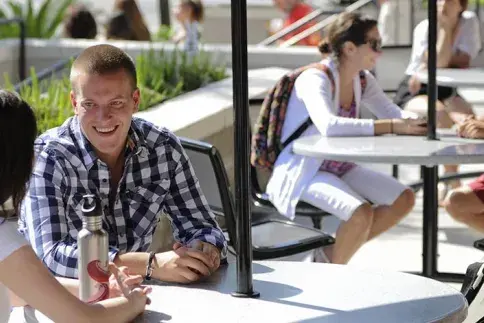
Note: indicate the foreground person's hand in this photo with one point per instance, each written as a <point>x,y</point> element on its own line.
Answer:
<point>135,293</point>
<point>131,281</point>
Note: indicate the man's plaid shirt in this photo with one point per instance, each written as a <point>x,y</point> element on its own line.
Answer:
<point>157,177</point>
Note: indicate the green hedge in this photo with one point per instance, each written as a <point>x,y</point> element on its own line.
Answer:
<point>41,23</point>
<point>161,76</point>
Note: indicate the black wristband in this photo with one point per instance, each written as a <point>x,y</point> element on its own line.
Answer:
<point>149,266</point>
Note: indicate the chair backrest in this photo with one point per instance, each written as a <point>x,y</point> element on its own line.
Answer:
<point>212,176</point>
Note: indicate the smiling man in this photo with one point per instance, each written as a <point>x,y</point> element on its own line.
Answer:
<point>136,169</point>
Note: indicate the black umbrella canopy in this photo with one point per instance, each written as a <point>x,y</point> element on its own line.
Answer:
<point>241,149</point>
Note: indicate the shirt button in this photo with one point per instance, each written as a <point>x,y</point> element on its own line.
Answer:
<point>121,235</point>
<point>104,180</point>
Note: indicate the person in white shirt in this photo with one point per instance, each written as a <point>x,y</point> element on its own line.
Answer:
<point>387,20</point>
<point>367,202</point>
<point>21,271</point>
<point>458,44</point>
<point>189,14</point>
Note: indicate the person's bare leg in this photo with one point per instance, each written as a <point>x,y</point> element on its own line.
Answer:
<point>351,235</point>
<point>464,206</point>
<point>387,216</point>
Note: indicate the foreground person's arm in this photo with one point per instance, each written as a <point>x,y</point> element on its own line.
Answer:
<point>22,270</point>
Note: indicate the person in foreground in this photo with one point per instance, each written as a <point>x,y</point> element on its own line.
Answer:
<point>135,168</point>
<point>466,203</point>
<point>367,202</point>
<point>458,44</point>
<point>21,271</point>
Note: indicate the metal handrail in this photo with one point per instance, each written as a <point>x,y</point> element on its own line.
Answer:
<point>21,56</point>
<point>315,14</point>
<point>322,24</point>
<point>45,73</point>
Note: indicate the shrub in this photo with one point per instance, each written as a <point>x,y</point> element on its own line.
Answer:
<point>42,23</point>
<point>161,76</point>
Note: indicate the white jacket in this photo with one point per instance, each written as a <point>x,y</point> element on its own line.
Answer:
<point>312,96</point>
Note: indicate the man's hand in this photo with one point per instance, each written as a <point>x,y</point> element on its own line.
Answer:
<point>186,264</point>
<point>122,274</point>
<point>207,248</point>
<point>471,128</point>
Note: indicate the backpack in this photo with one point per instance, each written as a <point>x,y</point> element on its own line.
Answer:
<point>266,142</point>
<point>473,292</point>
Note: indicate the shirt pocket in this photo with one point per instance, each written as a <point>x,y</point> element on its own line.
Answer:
<point>145,205</point>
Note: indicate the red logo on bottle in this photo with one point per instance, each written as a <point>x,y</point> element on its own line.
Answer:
<point>101,276</point>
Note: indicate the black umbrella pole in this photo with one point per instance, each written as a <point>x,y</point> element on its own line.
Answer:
<point>432,70</point>
<point>241,150</point>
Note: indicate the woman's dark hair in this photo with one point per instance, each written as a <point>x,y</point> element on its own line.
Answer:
<point>137,24</point>
<point>348,26</point>
<point>119,27</point>
<point>18,130</point>
<point>80,23</point>
<point>197,8</point>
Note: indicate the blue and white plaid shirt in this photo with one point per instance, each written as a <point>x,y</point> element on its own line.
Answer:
<point>157,177</point>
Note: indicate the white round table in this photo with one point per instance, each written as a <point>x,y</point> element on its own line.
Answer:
<point>308,292</point>
<point>455,77</point>
<point>391,149</point>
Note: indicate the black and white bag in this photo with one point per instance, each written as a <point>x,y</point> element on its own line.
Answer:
<point>474,293</point>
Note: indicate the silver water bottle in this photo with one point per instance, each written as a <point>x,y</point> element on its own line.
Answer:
<point>93,259</point>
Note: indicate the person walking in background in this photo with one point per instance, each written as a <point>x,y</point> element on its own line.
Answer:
<point>189,14</point>
<point>294,11</point>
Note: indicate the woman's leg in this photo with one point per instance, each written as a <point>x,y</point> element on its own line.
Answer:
<point>392,200</point>
<point>331,194</point>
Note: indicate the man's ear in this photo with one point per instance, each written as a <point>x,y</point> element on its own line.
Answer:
<point>136,99</point>
<point>74,102</point>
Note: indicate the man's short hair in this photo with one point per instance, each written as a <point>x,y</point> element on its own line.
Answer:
<point>103,59</point>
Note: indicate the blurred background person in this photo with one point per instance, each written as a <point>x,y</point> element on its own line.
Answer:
<point>137,24</point>
<point>189,14</point>
<point>79,23</point>
<point>387,17</point>
<point>295,10</point>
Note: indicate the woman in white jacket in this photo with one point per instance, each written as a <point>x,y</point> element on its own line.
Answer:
<point>367,202</point>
